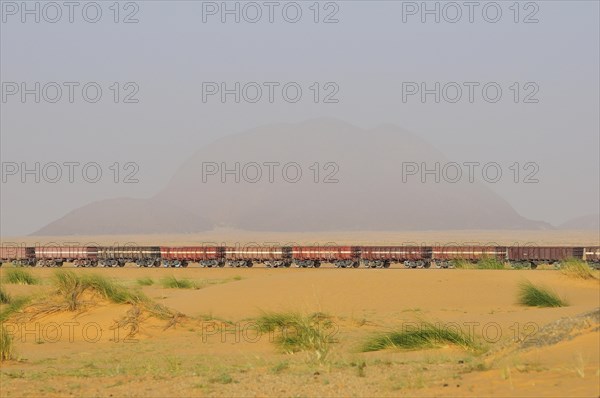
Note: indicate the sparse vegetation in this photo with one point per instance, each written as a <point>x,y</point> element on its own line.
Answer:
<point>484,263</point>
<point>280,367</point>
<point>145,281</point>
<point>223,378</point>
<point>428,335</point>
<point>490,263</point>
<point>539,296</point>
<point>15,305</point>
<point>173,283</point>
<point>6,345</point>
<point>4,297</point>
<point>463,264</point>
<point>19,276</point>
<point>297,332</point>
<point>577,269</point>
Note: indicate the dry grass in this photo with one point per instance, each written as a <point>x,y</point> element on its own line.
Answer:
<point>577,269</point>
<point>6,345</point>
<point>173,283</point>
<point>297,332</point>
<point>4,297</point>
<point>428,335</point>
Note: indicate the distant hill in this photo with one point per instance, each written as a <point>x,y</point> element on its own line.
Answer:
<point>126,216</point>
<point>369,194</point>
<point>589,222</point>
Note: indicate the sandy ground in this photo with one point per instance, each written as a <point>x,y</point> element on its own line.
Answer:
<point>214,350</point>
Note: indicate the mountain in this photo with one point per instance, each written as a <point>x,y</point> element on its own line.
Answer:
<point>369,194</point>
<point>337,178</point>
<point>589,222</point>
<point>126,216</point>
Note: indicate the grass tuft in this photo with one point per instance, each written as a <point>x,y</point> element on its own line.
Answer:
<point>71,286</point>
<point>4,297</point>
<point>539,296</point>
<point>297,332</point>
<point>20,277</point>
<point>173,283</point>
<point>223,378</point>
<point>15,305</point>
<point>429,335</point>
<point>6,345</point>
<point>577,269</point>
<point>463,264</point>
<point>145,281</point>
<point>490,263</point>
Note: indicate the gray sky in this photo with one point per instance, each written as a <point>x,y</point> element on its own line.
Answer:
<point>367,54</point>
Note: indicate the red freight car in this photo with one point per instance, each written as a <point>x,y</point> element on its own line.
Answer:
<point>55,256</point>
<point>542,254</point>
<point>245,256</point>
<point>18,255</point>
<point>383,256</point>
<point>206,256</point>
<point>312,256</point>
<point>444,255</point>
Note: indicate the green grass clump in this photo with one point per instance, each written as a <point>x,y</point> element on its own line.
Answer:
<point>429,335</point>
<point>577,269</point>
<point>490,263</point>
<point>113,291</point>
<point>173,283</point>
<point>145,281</point>
<point>6,345</point>
<point>20,277</point>
<point>538,296</point>
<point>71,286</point>
<point>296,332</point>
<point>4,297</point>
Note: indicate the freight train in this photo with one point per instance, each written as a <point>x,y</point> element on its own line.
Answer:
<point>286,256</point>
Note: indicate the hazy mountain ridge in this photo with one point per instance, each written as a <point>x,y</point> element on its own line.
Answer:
<point>369,194</point>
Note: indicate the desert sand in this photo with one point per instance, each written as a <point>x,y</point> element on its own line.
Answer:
<point>214,348</point>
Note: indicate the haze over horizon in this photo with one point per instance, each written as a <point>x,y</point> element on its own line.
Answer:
<point>359,70</point>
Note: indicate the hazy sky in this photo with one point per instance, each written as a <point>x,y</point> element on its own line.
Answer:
<point>374,50</point>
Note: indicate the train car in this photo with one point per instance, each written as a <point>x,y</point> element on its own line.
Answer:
<point>55,256</point>
<point>18,255</point>
<point>143,256</point>
<point>246,256</point>
<point>444,256</point>
<point>383,256</point>
<point>592,256</point>
<point>535,255</point>
<point>206,256</point>
<point>313,256</point>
